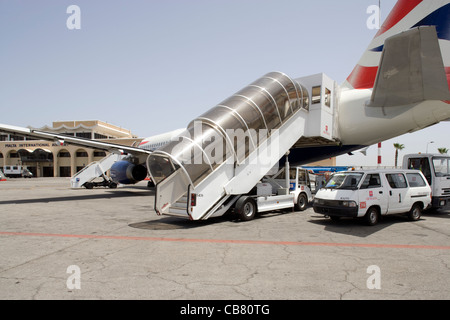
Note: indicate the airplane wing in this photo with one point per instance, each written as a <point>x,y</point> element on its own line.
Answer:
<point>61,138</point>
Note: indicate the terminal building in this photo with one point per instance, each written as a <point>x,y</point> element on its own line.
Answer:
<point>50,159</point>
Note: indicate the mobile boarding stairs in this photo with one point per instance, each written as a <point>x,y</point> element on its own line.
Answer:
<point>88,176</point>
<point>225,152</point>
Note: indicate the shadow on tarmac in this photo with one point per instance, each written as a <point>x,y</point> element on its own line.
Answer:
<point>171,223</point>
<point>108,195</point>
<point>357,226</point>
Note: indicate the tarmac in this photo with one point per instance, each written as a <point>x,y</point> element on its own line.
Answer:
<point>65,244</point>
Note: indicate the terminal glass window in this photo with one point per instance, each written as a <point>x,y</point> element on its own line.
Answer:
<point>64,154</point>
<point>82,154</point>
<point>99,154</point>
<point>86,135</point>
<point>100,136</point>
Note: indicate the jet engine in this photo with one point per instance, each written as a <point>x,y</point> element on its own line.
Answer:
<point>126,172</point>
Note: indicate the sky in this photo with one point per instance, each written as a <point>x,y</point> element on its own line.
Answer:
<point>153,66</point>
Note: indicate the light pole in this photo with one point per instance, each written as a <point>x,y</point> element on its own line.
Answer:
<point>428,144</point>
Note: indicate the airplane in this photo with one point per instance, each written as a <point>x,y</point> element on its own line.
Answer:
<point>400,84</point>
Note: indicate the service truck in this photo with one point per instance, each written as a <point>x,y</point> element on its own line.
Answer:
<point>17,172</point>
<point>278,191</point>
<point>436,169</point>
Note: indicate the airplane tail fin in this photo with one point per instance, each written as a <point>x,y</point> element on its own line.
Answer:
<point>406,15</point>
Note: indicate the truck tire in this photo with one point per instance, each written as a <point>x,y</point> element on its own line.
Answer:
<point>112,185</point>
<point>415,213</point>
<point>89,185</point>
<point>372,216</point>
<point>302,202</point>
<point>246,208</point>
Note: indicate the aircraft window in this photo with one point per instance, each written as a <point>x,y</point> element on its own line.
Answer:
<point>316,94</point>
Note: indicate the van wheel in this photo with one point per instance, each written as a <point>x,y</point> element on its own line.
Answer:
<point>302,202</point>
<point>246,208</point>
<point>372,216</point>
<point>415,212</point>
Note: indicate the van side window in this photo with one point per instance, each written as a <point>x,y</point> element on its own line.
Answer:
<point>371,181</point>
<point>415,180</point>
<point>396,180</point>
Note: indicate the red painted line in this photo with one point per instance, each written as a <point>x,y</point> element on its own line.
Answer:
<point>262,242</point>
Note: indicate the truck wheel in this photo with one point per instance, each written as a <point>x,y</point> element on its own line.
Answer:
<point>89,185</point>
<point>415,212</point>
<point>112,185</point>
<point>246,208</point>
<point>372,216</point>
<point>302,202</point>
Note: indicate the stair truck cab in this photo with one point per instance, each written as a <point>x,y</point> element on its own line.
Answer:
<point>373,193</point>
<point>436,169</point>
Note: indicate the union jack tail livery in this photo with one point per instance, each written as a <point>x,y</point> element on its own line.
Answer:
<point>406,15</point>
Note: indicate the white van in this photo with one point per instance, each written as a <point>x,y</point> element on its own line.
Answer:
<point>373,193</point>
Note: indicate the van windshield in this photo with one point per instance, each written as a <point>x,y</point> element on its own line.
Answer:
<point>344,180</point>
